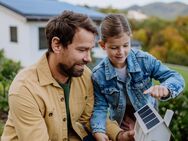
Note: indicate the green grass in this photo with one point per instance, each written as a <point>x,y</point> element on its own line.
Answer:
<point>183,70</point>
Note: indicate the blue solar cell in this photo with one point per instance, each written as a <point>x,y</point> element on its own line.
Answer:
<point>143,109</point>
<point>146,113</point>
<point>149,118</point>
<point>152,123</point>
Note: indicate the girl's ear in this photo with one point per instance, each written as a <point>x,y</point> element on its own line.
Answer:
<point>56,45</point>
<point>102,44</point>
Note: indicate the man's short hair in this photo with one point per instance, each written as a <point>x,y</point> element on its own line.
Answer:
<point>65,25</point>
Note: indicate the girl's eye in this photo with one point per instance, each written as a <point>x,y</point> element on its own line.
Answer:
<point>113,47</point>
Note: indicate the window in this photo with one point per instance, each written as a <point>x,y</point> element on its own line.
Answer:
<point>42,38</point>
<point>13,34</point>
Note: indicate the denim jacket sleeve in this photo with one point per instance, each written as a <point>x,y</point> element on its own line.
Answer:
<point>98,119</point>
<point>167,77</point>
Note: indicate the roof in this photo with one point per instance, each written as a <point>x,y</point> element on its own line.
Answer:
<point>44,9</point>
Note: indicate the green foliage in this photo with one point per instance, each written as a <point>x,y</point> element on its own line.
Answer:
<point>182,25</point>
<point>8,70</point>
<point>179,124</point>
<point>167,41</point>
<point>1,128</point>
<point>177,58</point>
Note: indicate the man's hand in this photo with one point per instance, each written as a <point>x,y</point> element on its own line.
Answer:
<point>101,137</point>
<point>157,91</point>
<point>126,136</point>
<point>127,124</point>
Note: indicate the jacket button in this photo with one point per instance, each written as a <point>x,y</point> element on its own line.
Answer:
<point>62,99</point>
<point>50,114</point>
<point>64,119</point>
<point>65,139</point>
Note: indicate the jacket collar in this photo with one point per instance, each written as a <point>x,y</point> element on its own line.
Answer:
<point>132,63</point>
<point>109,69</point>
<point>44,74</point>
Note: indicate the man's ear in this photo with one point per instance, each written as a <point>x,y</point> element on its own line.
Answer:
<point>102,44</point>
<point>56,45</point>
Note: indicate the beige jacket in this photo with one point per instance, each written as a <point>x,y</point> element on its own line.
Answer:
<point>37,106</point>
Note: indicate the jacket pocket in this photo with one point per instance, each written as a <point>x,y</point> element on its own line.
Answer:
<point>112,96</point>
<point>138,88</point>
<point>142,84</point>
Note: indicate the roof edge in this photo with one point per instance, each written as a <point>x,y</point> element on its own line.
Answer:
<point>12,9</point>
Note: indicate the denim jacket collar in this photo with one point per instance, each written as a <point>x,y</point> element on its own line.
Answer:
<point>109,70</point>
<point>132,64</point>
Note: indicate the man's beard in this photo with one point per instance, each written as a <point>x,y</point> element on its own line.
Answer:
<point>70,72</point>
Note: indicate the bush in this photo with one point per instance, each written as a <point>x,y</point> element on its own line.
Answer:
<point>179,124</point>
<point>8,70</point>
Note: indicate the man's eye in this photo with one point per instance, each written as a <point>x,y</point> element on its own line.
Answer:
<point>125,45</point>
<point>81,50</point>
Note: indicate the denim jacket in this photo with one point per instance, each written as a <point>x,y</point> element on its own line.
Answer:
<point>141,69</point>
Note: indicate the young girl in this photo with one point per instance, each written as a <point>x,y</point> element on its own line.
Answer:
<point>123,80</point>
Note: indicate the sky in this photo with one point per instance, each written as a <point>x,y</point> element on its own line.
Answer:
<point>118,3</point>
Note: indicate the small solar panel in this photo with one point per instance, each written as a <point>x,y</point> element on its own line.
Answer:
<point>148,117</point>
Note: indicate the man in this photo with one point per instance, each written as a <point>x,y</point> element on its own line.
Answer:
<point>53,99</point>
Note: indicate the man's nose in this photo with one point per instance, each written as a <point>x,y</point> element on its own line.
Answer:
<point>87,57</point>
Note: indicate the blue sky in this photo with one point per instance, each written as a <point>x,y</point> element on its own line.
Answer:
<point>118,3</point>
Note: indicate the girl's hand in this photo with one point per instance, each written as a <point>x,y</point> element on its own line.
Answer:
<point>157,91</point>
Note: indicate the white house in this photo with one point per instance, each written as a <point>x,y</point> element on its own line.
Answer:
<point>132,14</point>
<point>150,126</point>
<point>22,25</point>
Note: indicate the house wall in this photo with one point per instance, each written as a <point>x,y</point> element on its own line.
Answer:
<point>160,133</point>
<point>35,53</point>
<point>26,49</point>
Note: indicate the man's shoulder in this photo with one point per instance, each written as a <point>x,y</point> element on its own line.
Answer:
<point>23,78</point>
<point>28,72</point>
